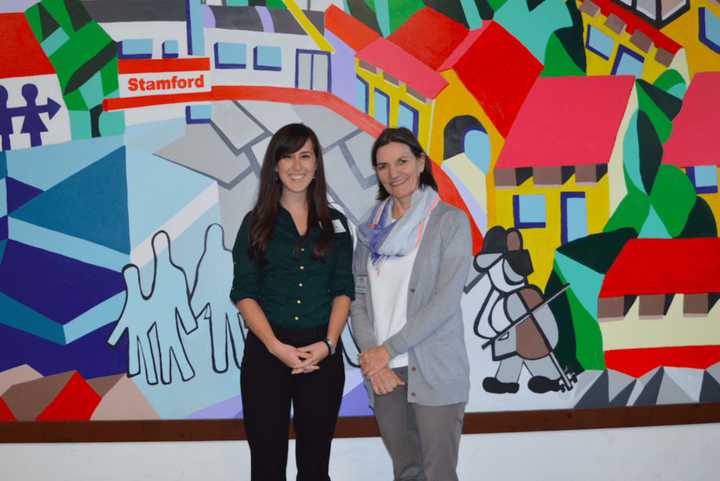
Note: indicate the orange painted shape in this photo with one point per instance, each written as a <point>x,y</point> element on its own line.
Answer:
<point>154,65</point>
<point>637,362</point>
<point>76,401</point>
<point>349,29</point>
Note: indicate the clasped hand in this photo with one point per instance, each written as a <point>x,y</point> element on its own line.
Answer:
<point>301,359</point>
<point>374,365</point>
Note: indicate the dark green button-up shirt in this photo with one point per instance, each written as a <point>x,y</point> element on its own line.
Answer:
<point>293,289</point>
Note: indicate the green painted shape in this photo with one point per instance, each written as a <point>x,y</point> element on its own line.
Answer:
<point>485,8</point>
<point>630,213</point>
<point>678,90</point>
<point>650,150</point>
<point>237,3</point>
<point>32,15</point>
<point>701,221</point>
<point>275,4</point>
<point>109,74</point>
<point>653,228</point>
<point>472,14</point>
<point>58,11</point>
<point>80,124</point>
<point>588,337</point>
<point>78,50</point>
<point>558,62</point>
<point>534,28</point>
<point>585,282</point>
<point>668,104</point>
<point>631,157</point>
<point>74,101</point>
<point>598,251</point>
<point>669,79</point>
<point>391,14</point>
<point>112,123</point>
<point>673,197</point>
<point>92,90</point>
<point>660,121</point>
<point>565,350</point>
<point>53,42</point>
<point>497,4</point>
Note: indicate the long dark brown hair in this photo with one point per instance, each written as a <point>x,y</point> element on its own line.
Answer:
<point>403,135</point>
<point>288,140</point>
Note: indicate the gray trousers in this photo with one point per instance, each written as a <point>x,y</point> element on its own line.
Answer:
<point>423,441</point>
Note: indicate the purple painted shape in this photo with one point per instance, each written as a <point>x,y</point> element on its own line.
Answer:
<point>16,5</point>
<point>227,409</point>
<point>342,69</point>
<point>90,355</point>
<point>58,287</point>
<point>208,17</point>
<point>355,403</point>
<point>265,19</point>
<point>3,228</point>
<point>18,193</point>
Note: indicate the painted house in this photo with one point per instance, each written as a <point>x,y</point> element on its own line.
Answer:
<point>658,304</point>
<point>698,31</point>
<point>560,174</point>
<point>32,109</point>
<point>694,145</point>
<point>620,41</point>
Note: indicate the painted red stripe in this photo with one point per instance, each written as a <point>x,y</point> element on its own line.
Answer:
<point>637,362</point>
<point>155,65</point>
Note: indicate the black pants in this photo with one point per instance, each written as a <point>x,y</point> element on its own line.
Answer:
<point>268,388</point>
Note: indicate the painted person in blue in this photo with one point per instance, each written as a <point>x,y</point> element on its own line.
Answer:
<point>293,286</point>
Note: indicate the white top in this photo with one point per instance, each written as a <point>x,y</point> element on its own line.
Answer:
<point>389,295</point>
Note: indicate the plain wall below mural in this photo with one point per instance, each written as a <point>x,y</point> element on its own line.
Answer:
<point>686,453</point>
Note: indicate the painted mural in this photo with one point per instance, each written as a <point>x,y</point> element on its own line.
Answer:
<point>580,137</point>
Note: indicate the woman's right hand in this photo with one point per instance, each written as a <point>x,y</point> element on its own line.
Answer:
<point>385,381</point>
<point>291,356</point>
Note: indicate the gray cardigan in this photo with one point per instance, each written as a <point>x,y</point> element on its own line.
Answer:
<point>434,336</point>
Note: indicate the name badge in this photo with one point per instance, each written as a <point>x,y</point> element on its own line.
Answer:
<point>361,284</point>
<point>338,226</point>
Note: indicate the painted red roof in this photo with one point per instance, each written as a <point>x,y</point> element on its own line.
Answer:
<point>397,62</point>
<point>636,22</point>
<point>21,54</point>
<point>665,266</point>
<point>497,70</point>
<point>429,36</point>
<point>349,29</point>
<point>694,139</point>
<point>567,121</point>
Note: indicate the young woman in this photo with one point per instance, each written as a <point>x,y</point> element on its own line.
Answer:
<point>410,265</point>
<point>293,286</point>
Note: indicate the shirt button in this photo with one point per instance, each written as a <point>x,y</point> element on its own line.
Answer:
<point>302,249</point>
<point>302,268</point>
<point>299,301</point>
<point>300,284</point>
<point>297,318</point>
<point>414,369</point>
<point>412,393</point>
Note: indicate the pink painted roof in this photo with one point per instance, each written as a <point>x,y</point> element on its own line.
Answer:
<point>695,139</point>
<point>397,62</point>
<point>567,121</point>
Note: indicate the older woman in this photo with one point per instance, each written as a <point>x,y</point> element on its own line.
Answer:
<point>410,266</point>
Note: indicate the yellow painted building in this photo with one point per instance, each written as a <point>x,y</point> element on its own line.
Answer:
<point>686,30</point>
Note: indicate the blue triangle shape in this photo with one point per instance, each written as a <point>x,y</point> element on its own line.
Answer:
<point>91,204</point>
<point>19,193</point>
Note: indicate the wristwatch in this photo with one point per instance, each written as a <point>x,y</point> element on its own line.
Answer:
<point>330,345</point>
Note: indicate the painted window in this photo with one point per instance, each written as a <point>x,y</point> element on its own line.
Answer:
<point>170,49</point>
<point>710,29</point>
<point>268,58</point>
<point>599,43</point>
<point>529,211</point>
<point>361,94</point>
<point>574,216</point>
<point>628,62</point>
<point>477,148</point>
<point>408,117</point>
<point>704,178</point>
<point>382,107</point>
<point>136,48</point>
<point>230,55</point>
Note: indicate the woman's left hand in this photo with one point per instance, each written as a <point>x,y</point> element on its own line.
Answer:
<point>374,360</point>
<point>313,354</point>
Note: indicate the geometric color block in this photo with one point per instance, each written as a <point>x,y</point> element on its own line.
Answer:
<point>627,62</point>
<point>361,95</point>
<point>28,399</point>
<point>121,401</point>
<point>112,123</point>
<point>92,90</point>
<point>407,117</point>
<point>18,194</point>
<point>574,216</point>
<point>54,41</point>
<point>529,211</point>
<point>136,48</point>
<point>703,177</point>
<point>16,375</point>
<point>267,58</point>
<point>230,55</point>
<point>91,205</point>
<point>382,107</point>
<point>198,114</point>
<point>5,413</point>
<point>599,43</point>
<point>170,49</point>
<point>710,29</point>
<point>76,401</point>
